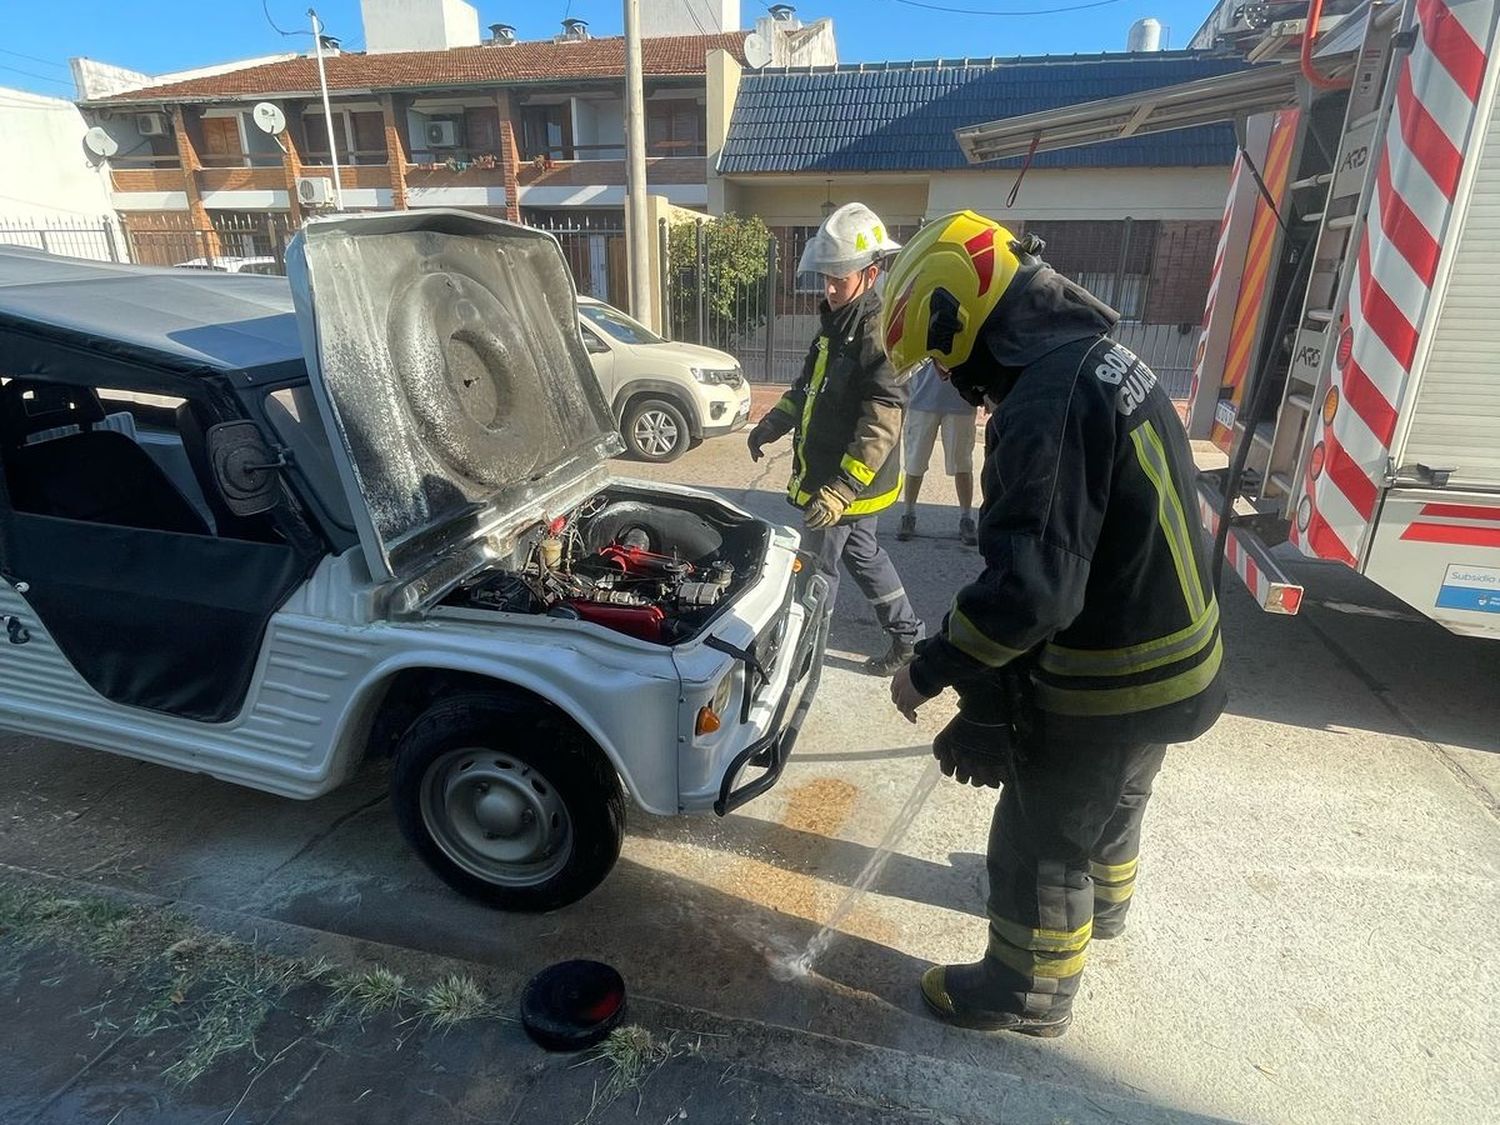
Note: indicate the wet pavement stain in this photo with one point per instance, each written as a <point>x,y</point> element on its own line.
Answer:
<point>820,806</point>
<point>816,810</point>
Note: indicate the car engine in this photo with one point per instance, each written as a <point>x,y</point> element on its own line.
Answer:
<point>646,570</point>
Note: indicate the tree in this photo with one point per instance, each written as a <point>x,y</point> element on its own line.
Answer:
<point>718,279</point>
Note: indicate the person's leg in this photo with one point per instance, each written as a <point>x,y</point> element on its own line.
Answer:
<point>875,575</point>
<point>958,454</point>
<point>1051,814</point>
<point>918,439</point>
<point>1113,861</point>
<point>827,544</point>
<point>963,484</point>
<point>908,525</point>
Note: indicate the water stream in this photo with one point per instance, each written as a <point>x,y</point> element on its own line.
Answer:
<point>801,964</point>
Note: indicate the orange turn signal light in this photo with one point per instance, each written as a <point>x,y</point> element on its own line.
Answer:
<point>796,566</point>
<point>708,720</point>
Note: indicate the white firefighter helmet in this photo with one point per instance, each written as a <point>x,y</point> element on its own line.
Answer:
<point>850,239</point>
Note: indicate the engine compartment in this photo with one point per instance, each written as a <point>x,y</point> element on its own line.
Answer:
<point>658,572</point>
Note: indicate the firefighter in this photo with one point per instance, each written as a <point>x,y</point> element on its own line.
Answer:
<point>1090,640</point>
<point>846,412</point>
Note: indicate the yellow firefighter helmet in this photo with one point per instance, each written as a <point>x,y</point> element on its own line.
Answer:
<point>942,287</point>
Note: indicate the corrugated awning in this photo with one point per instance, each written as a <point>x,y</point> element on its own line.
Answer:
<point>1203,102</point>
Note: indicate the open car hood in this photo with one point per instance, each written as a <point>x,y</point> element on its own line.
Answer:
<point>445,356</point>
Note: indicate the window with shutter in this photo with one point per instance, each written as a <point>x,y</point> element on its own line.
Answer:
<point>221,142</point>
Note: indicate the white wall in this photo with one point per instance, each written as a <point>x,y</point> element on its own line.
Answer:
<point>688,17</point>
<point>800,203</point>
<point>418,25</point>
<point>95,79</point>
<point>793,44</point>
<point>1084,193</point>
<point>45,172</point>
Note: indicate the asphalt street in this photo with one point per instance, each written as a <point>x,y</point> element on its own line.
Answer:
<point>1313,937</point>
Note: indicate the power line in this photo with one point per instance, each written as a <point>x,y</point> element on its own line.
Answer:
<point>34,58</point>
<point>38,77</point>
<point>266,8</point>
<point>992,12</point>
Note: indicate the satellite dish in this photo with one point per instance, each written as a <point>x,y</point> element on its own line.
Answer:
<point>268,118</point>
<point>757,51</point>
<point>100,143</point>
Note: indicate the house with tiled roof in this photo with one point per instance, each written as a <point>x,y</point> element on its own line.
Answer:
<point>430,114</point>
<point>1136,220</point>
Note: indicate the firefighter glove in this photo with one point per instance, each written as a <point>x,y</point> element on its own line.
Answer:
<point>767,430</point>
<point>827,507</point>
<point>973,752</point>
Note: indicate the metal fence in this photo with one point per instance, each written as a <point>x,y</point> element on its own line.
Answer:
<point>242,241</point>
<point>596,254</point>
<point>74,238</point>
<point>719,290</point>
<point>766,317</point>
<point>743,298</point>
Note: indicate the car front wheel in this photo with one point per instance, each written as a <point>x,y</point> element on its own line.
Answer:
<point>656,430</point>
<point>514,809</point>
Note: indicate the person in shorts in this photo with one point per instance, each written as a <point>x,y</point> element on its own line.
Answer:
<point>936,407</point>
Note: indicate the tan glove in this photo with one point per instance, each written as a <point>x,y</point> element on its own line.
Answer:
<point>827,507</point>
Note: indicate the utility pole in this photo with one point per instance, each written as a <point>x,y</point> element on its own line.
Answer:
<point>333,149</point>
<point>637,236</point>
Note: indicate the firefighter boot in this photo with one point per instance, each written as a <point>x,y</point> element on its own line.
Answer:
<point>901,653</point>
<point>965,996</point>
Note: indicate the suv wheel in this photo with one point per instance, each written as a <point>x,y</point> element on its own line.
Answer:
<point>656,430</point>
<point>511,808</point>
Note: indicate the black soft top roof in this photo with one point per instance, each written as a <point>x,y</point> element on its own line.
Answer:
<point>73,320</point>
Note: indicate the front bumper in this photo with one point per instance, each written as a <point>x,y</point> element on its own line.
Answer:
<point>769,754</point>
<point>731,423</point>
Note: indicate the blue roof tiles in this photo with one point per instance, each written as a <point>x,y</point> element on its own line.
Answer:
<point>900,117</point>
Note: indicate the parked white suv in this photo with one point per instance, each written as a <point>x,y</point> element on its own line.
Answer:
<point>264,545</point>
<point>667,397</point>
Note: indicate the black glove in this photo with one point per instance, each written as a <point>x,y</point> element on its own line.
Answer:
<point>975,752</point>
<point>764,433</point>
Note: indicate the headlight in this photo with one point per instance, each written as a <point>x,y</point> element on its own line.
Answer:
<point>711,718</point>
<point>723,692</point>
<point>716,377</point>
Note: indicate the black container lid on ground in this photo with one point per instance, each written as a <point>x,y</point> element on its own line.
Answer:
<point>573,1005</point>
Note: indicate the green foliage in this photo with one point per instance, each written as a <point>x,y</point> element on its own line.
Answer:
<point>718,278</point>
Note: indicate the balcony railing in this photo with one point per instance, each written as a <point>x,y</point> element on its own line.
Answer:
<point>357,156</point>
<point>616,151</point>
<point>241,160</point>
<point>145,160</point>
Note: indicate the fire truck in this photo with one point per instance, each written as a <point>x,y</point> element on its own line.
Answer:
<point>1346,384</point>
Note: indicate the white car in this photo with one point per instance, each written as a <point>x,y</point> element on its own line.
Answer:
<point>264,531</point>
<point>666,397</point>
<point>227,264</point>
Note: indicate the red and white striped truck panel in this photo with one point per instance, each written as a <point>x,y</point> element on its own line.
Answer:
<point>1438,86</point>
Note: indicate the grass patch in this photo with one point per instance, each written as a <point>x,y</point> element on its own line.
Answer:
<point>454,1000</point>
<point>207,994</point>
<point>363,994</point>
<point>630,1056</point>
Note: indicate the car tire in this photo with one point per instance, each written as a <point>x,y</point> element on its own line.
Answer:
<point>511,807</point>
<point>655,430</point>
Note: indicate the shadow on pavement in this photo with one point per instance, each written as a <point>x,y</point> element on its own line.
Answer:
<point>1378,665</point>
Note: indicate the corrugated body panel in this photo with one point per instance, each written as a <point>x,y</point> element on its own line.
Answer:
<point>1456,415</point>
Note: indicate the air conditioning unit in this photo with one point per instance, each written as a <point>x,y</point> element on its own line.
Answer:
<point>442,134</point>
<point>314,191</point>
<point>151,124</point>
